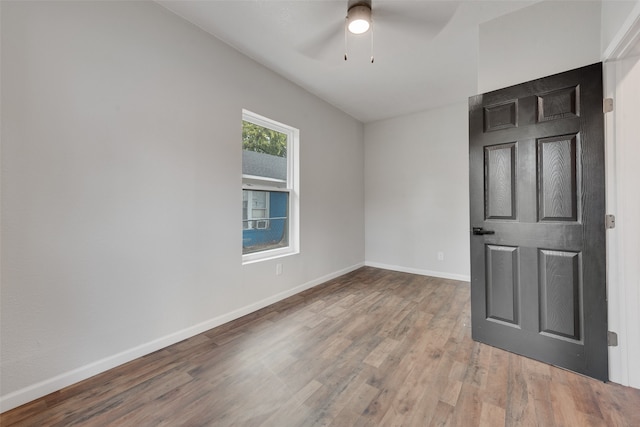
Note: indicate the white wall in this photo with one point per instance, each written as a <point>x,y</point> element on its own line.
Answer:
<point>417,192</point>
<point>121,177</point>
<point>543,39</point>
<point>616,16</point>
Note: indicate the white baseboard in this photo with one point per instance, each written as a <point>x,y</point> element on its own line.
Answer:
<point>35,391</point>
<point>441,274</point>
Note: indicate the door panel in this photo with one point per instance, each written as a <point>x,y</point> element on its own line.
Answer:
<point>560,289</point>
<point>536,155</point>
<point>501,116</point>
<point>559,104</point>
<point>500,187</point>
<point>557,175</point>
<point>502,283</point>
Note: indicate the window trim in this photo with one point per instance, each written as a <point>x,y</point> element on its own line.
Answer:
<point>291,186</point>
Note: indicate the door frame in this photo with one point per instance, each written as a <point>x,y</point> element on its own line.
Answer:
<point>623,292</point>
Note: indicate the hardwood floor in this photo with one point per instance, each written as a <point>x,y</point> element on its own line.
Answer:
<point>371,348</point>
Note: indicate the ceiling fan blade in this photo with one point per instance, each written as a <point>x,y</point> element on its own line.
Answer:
<point>328,42</point>
<point>427,18</point>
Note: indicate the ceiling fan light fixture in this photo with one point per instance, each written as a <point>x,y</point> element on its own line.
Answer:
<point>359,19</point>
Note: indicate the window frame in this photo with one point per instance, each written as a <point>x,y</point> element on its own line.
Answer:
<point>290,186</point>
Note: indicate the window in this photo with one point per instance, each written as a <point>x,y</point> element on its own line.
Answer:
<point>269,188</point>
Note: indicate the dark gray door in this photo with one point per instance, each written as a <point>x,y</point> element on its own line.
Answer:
<point>536,153</point>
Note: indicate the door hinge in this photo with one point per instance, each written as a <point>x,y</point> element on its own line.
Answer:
<point>607,105</point>
<point>610,221</point>
<point>612,339</point>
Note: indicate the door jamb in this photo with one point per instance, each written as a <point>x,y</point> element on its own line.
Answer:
<point>623,295</point>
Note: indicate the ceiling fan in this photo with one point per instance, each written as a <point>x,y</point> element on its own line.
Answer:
<point>358,21</point>
<point>422,20</point>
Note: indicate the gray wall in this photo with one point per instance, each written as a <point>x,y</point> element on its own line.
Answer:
<point>121,188</point>
<point>543,39</point>
<point>417,192</point>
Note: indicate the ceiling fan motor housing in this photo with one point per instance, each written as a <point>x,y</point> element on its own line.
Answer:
<point>359,18</point>
<point>354,3</point>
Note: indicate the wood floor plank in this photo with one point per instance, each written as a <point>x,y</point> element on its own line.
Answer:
<point>355,406</point>
<point>468,407</point>
<point>442,415</point>
<point>370,348</point>
<point>425,408</point>
<point>451,392</point>
<point>381,352</point>
<point>492,415</point>
<point>520,410</point>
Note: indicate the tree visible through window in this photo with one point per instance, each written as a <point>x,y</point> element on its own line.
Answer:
<point>263,140</point>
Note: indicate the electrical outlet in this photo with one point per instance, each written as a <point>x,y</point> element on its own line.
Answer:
<point>278,269</point>
<point>440,256</point>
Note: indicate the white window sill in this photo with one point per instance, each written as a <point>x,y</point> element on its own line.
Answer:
<point>268,255</point>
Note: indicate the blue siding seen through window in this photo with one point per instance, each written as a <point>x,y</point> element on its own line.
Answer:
<point>269,231</point>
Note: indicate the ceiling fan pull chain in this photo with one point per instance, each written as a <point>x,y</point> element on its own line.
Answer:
<point>346,23</point>
<point>372,41</point>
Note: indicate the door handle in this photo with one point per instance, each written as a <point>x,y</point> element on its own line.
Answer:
<point>479,231</point>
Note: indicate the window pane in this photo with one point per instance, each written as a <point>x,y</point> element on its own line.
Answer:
<point>266,227</point>
<point>264,152</point>
<point>259,199</point>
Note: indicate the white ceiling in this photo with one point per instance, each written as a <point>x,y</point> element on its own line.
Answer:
<point>425,51</point>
